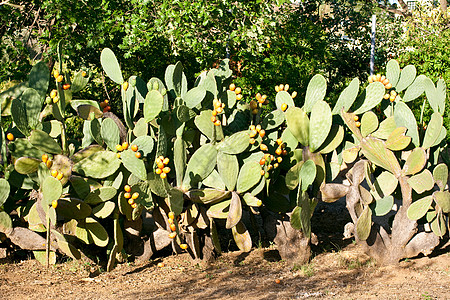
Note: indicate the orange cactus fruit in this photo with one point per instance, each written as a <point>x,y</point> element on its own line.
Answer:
<point>392,98</point>
<point>160,165</point>
<point>124,145</point>
<point>269,167</point>
<point>134,205</point>
<point>213,119</point>
<point>281,87</point>
<point>252,141</point>
<point>44,158</point>
<point>382,78</point>
<point>171,215</point>
<point>60,176</point>
<point>277,88</point>
<point>166,160</point>
<point>279,159</point>
<point>239,97</point>
<point>370,79</point>
<point>127,188</point>
<point>262,161</point>
<point>252,127</point>
<point>66,86</point>
<point>378,77</point>
<point>262,133</point>
<point>262,172</point>
<point>119,148</point>
<point>217,123</point>
<point>258,128</point>
<point>54,173</point>
<point>263,147</point>
<point>219,109</point>
<point>275,165</point>
<point>127,195</point>
<point>166,170</point>
<point>284,107</point>
<point>279,141</point>
<point>388,86</point>
<point>238,90</point>
<point>130,201</point>
<point>163,175</point>
<point>232,87</point>
<point>135,196</point>
<point>60,78</point>
<point>278,151</point>
<point>172,235</point>
<point>138,154</point>
<point>356,118</point>
<point>55,73</point>
<point>160,265</point>
<point>125,85</point>
<point>253,133</point>
<point>173,227</point>
<point>134,148</point>
<point>55,204</point>
<point>386,96</point>
<point>170,221</point>
<point>183,246</point>
<point>158,171</point>
<point>358,124</point>
<point>106,109</point>
<point>214,113</point>
<point>10,136</point>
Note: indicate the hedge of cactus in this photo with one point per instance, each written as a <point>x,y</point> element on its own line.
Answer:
<point>193,156</point>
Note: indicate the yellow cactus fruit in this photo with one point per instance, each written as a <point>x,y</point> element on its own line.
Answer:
<point>264,97</point>
<point>275,165</point>
<point>258,96</point>
<point>386,96</point>
<point>262,161</point>
<point>262,133</point>
<point>281,87</point>
<point>239,97</point>
<point>279,159</point>
<point>134,148</point>
<point>219,109</point>
<point>358,124</point>
<point>124,145</point>
<point>286,87</point>
<point>158,171</point>
<point>216,102</point>
<point>44,158</point>
<point>279,141</point>
<point>83,74</point>
<point>217,123</point>
<point>294,94</point>
<point>214,113</point>
<point>127,188</point>
<point>166,170</point>
<point>382,78</point>
<point>252,127</point>
<point>238,90</point>
<point>278,151</point>
<point>258,128</point>
<point>127,195</point>
<point>160,165</point>
<point>213,119</point>
<point>118,155</point>
<point>232,87</point>
<point>119,148</point>
<point>393,93</point>
<point>277,88</point>
<point>53,93</point>
<point>171,215</point>
<point>258,202</point>
<point>173,227</point>
<point>55,204</point>
<point>66,86</point>
<point>183,246</point>
<point>163,175</point>
<point>252,141</point>
<point>54,173</point>
<point>166,160</point>
<point>55,73</point>
<point>134,205</point>
<point>355,118</point>
<point>130,201</point>
<point>60,176</point>
<point>138,154</point>
<point>172,235</point>
<point>370,79</point>
<point>272,157</point>
<point>125,85</point>
<point>262,172</point>
<point>263,147</point>
<point>55,99</point>
<point>269,167</point>
<point>392,98</point>
<point>170,221</point>
<point>135,196</point>
<point>284,107</point>
<point>60,78</point>
<point>49,163</point>
<point>378,77</point>
<point>160,265</point>
<point>388,86</point>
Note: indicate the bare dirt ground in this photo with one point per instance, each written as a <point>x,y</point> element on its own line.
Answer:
<point>345,274</point>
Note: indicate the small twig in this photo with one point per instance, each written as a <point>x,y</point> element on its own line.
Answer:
<point>104,85</point>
